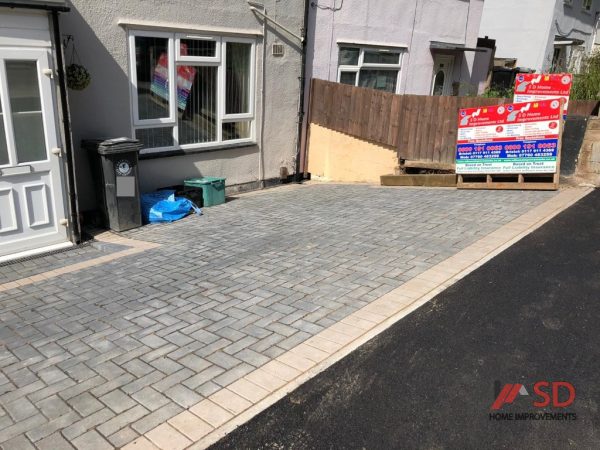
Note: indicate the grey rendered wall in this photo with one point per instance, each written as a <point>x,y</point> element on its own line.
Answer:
<point>526,29</point>
<point>521,29</point>
<point>572,22</point>
<point>103,109</point>
<point>413,23</point>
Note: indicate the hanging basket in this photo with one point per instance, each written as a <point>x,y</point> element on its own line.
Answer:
<point>78,78</point>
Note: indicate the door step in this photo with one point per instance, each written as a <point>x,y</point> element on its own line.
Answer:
<point>36,252</point>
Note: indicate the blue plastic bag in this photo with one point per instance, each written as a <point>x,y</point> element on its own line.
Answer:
<point>163,206</point>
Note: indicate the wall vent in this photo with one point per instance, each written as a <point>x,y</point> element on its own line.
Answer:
<point>278,50</point>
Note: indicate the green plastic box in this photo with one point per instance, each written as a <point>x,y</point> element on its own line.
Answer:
<point>213,189</point>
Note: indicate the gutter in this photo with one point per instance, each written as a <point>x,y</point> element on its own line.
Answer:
<point>299,172</point>
<point>68,141</point>
<point>42,6</point>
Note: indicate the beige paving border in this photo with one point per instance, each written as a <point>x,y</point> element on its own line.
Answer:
<point>208,421</point>
<point>108,237</point>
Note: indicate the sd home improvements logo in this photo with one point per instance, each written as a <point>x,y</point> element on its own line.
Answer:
<point>555,394</point>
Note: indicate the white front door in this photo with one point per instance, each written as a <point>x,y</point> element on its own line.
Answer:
<point>32,203</point>
<point>441,83</point>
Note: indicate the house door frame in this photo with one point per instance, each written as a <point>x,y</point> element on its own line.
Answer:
<point>32,190</point>
<point>444,63</point>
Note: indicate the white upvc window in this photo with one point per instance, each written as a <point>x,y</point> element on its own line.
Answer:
<point>371,67</point>
<point>212,102</point>
<point>586,5</point>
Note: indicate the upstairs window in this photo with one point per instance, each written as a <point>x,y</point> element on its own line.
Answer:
<point>191,91</point>
<point>375,68</point>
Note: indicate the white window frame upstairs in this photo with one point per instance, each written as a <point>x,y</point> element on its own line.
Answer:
<point>175,60</point>
<point>362,65</point>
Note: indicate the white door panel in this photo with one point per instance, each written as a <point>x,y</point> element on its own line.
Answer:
<point>31,190</point>
<point>443,66</point>
<point>8,212</point>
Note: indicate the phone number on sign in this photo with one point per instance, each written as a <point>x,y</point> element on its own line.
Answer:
<point>509,147</point>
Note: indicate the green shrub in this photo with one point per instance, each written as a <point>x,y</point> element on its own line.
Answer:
<point>586,84</point>
<point>498,93</point>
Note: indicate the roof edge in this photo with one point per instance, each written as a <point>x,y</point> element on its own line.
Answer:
<point>35,5</point>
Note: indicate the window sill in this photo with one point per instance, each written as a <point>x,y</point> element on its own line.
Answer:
<point>146,154</point>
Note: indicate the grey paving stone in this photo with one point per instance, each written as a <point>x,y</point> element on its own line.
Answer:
<point>137,367</point>
<point>203,377</point>
<point>153,341</point>
<point>150,399</point>
<point>233,374</point>
<point>224,360</point>
<point>54,442</point>
<point>90,440</point>
<point>53,407</point>
<point>51,390</point>
<point>123,437</point>
<point>154,419</point>
<point>222,295</point>
<point>208,388</point>
<point>117,400</point>
<point>140,383</point>
<point>81,426</point>
<point>85,404</point>
<point>122,420</point>
<point>173,379</point>
<point>54,425</point>
<point>20,409</point>
<point>22,443</point>
<point>251,357</point>
<point>294,340</point>
<point>239,345</point>
<point>166,365</point>
<point>95,385</point>
<point>183,396</point>
<point>21,427</point>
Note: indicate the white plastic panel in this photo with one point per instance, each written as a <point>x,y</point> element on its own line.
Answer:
<point>36,203</point>
<point>8,215</point>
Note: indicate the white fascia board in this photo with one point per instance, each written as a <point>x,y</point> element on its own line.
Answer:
<point>180,27</point>
<point>372,44</point>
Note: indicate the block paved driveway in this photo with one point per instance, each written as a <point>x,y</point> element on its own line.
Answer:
<point>96,357</point>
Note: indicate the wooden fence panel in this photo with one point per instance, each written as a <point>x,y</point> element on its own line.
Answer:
<point>420,127</point>
<point>583,107</point>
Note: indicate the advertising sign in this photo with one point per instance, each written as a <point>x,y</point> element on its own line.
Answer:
<point>512,138</point>
<point>185,79</point>
<point>531,87</point>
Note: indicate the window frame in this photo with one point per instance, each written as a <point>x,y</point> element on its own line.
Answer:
<point>585,3</point>
<point>377,66</point>
<point>148,123</point>
<point>179,58</point>
<point>176,60</point>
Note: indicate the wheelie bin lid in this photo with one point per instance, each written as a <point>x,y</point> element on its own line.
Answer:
<point>113,146</point>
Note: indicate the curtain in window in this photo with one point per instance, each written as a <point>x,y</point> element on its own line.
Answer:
<point>198,118</point>
<point>237,78</point>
